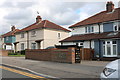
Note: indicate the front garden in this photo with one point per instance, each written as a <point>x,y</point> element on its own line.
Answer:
<point>17,54</point>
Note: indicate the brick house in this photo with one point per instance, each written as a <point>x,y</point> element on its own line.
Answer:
<point>8,39</point>
<point>100,32</point>
<point>40,35</point>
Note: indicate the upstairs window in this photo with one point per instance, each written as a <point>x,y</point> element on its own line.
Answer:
<point>22,35</point>
<point>86,29</point>
<point>119,28</point>
<point>7,38</point>
<point>59,35</point>
<point>92,29</point>
<point>89,29</point>
<point>33,33</point>
<point>115,28</point>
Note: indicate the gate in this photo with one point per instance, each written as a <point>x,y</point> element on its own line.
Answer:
<point>77,55</point>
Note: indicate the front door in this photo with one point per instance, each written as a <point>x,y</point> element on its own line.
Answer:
<point>110,48</point>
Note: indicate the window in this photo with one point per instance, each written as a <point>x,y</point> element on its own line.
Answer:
<point>80,44</point>
<point>86,29</point>
<point>119,28</point>
<point>114,49</point>
<point>114,42</point>
<point>22,46</point>
<point>110,48</point>
<point>115,28</point>
<point>59,35</point>
<point>92,29</point>
<point>89,29</point>
<point>104,49</point>
<point>22,35</point>
<point>33,46</point>
<point>33,33</point>
<point>7,38</point>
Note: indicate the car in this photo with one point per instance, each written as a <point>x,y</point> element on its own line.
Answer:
<point>111,71</point>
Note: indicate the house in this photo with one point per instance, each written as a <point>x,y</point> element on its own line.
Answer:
<point>100,32</point>
<point>40,35</point>
<point>1,42</point>
<point>8,39</point>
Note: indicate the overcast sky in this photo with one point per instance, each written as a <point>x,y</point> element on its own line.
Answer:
<point>22,13</point>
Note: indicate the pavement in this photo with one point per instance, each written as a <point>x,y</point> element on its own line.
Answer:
<point>86,69</point>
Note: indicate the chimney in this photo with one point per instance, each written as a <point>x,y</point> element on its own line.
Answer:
<point>12,28</point>
<point>38,19</point>
<point>109,6</point>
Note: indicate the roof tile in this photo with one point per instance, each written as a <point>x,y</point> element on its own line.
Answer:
<point>103,16</point>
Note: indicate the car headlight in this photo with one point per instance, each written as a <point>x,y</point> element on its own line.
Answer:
<point>108,71</point>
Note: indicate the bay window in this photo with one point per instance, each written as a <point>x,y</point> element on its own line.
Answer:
<point>110,48</point>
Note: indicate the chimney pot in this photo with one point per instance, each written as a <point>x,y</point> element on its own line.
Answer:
<point>109,6</point>
<point>38,19</point>
<point>12,28</point>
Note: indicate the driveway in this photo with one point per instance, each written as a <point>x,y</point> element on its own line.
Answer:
<point>87,69</point>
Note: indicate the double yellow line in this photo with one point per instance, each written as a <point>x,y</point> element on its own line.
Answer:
<point>23,73</point>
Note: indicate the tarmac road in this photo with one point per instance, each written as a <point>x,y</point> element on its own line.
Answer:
<point>11,73</point>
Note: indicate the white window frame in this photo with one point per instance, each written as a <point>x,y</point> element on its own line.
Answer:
<point>7,38</point>
<point>22,46</point>
<point>81,44</point>
<point>89,29</point>
<point>86,29</point>
<point>114,27</point>
<point>59,35</point>
<point>33,45</point>
<point>33,33</point>
<point>22,35</point>
<point>111,46</point>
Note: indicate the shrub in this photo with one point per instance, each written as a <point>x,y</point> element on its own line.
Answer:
<point>22,52</point>
<point>12,53</point>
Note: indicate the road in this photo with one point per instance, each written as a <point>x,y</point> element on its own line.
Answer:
<point>12,73</point>
<point>87,69</point>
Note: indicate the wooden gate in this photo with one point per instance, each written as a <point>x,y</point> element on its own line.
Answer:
<point>86,53</point>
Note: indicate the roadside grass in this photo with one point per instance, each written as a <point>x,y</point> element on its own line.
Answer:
<point>18,55</point>
<point>12,54</point>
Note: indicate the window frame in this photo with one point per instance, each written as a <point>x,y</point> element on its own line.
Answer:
<point>33,46</point>
<point>59,35</point>
<point>116,27</point>
<point>7,38</point>
<point>105,53</point>
<point>22,35</point>
<point>22,46</point>
<point>33,33</point>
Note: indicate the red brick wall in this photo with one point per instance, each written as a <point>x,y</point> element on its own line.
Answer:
<point>4,52</point>
<point>58,55</point>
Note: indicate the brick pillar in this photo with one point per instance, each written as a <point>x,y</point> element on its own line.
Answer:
<point>72,55</point>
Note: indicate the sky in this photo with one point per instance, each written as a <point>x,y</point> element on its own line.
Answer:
<point>22,13</point>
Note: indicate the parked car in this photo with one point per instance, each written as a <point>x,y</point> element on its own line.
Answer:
<point>111,71</point>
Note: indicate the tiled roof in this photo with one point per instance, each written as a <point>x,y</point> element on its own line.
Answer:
<point>11,33</point>
<point>44,24</point>
<point>103,16</point>
<point>92,36</point>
